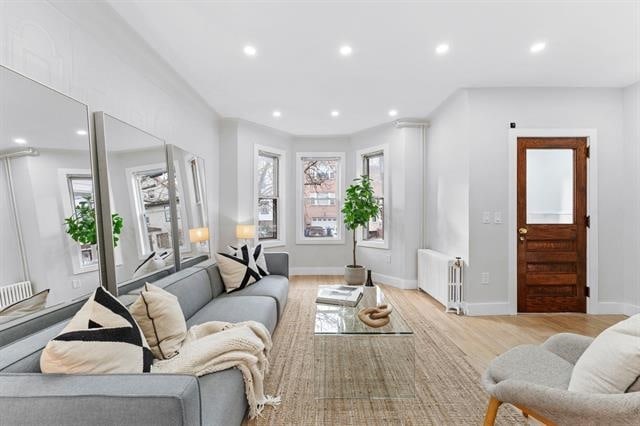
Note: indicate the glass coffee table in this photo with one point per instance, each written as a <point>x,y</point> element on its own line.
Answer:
<point>353,360</point>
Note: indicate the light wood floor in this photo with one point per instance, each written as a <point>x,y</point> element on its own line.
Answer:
<point>451,354</point>
<point>483,338</point>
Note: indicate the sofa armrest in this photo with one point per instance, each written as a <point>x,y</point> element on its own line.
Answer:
<point>277,263</point>
<point>568,346</point>
<point>122,399</point>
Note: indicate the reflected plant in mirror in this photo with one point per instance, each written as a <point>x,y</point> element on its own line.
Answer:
<point>81,226</point>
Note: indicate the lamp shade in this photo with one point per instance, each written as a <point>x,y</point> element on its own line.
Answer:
<point>198,235</point>
<point>245,232</point>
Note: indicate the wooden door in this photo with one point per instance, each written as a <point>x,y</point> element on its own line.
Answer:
<point>552,224</point>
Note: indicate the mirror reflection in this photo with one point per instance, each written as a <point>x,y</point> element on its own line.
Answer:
<point>193,227</point>
<point>48,251</point>
<point>139,184</point>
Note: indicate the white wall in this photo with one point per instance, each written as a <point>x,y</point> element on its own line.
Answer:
<point>489,113</point>
<point>84,50</point>
<point>629,191</point>
<point>447,177</point>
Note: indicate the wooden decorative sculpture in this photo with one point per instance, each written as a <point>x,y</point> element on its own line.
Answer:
<point>375,317</point>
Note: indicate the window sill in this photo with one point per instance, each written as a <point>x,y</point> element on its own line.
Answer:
<point>319,241</point>
<point>272,243</point>
<point>381,245</point>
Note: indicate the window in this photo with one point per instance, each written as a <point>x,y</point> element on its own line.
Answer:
<point>372,164</point>
<point>81,191</point>
<point>269,189</point>
<point>319,178</point>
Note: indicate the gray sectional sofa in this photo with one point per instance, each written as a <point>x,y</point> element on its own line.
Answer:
<point>28,397</point>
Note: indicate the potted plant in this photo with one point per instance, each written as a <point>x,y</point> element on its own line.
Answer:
<point>81,226</point>
<point>360,207</point>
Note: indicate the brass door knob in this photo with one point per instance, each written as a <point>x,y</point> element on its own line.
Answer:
<point>522,231</point>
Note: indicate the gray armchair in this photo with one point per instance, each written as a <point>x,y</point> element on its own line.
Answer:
<point>535,380</point>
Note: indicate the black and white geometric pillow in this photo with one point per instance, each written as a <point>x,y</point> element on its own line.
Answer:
<point>258,256</point>
<point>101,338</point>
<point>237,271</point>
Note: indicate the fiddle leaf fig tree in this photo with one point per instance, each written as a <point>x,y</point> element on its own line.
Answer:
<point>360,206</point>
<point>81,226</point>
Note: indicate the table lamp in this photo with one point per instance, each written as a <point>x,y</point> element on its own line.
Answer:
<point>200,237</point>
<point>245,233</point>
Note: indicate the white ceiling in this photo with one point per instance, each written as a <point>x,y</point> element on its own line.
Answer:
<point>299,71</point>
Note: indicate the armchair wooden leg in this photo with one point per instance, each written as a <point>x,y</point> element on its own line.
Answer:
<point>492,412</point>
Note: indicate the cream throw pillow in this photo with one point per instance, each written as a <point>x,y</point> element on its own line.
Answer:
<point>611,363</point>
<point>28,306</point>
<point>160,317</point>
<point>237,272</point>
<point>101,338</point>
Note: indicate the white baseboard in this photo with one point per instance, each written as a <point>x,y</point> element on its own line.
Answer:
<point>606,308</point>
<point>402,283</point>
<point>339,270</point>
<point>495,308</point>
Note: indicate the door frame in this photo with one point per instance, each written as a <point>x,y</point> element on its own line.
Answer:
<point>592,210</point>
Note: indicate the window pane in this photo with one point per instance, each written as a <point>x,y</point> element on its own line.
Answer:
<point>549,186</point>
<point>374,168</point>
<point>81,191</point>
<point>320,206</point>
<point>267,219</point>
<point>152,187</point>
<point>267,176</point>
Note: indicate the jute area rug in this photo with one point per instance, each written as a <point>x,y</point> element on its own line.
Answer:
<point>448,390</point>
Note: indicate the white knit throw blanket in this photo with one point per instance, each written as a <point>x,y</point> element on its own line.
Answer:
<point>216,346</point>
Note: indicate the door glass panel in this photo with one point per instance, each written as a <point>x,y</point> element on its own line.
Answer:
<point>549,186</point>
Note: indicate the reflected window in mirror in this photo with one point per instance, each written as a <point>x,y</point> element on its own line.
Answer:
<point>191,203</point>
<point>81,206</point>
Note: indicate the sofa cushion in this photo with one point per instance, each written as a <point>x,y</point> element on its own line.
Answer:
<point>275,286</point>
<point>191,286</point>
<point>215,279</point>
<point>223,399</point>
<point>238,309</point>
<point>611,363</point>
<point>533,364</point>
<point>160,317</point>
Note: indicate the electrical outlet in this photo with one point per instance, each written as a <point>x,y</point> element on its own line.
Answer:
<point>486,217</point>
<point>497,217</point>
<point>76,283</point>
<point>484,278</point>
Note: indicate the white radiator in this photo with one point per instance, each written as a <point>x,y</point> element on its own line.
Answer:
<point>442,276</point>
<point>12,293</point>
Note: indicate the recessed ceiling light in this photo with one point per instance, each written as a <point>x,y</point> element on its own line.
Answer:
<point>441,49</point>
<point>335,113</point>
<point>81,132</point>
<point>250,50</point>
<point>393,112</point>
<point>346,50</point>
<point>277,114</point>
<point>538,47</point>
<point>20,141</point>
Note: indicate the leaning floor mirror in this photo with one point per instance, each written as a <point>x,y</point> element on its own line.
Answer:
<point>48,238</point>
<point>134,163</point>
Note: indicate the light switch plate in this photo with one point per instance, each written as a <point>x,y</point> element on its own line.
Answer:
<point>497,217</point>
<point>486,217</point>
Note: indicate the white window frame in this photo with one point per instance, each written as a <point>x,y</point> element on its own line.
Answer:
<point>281,241</point>
<point>386,222</point>
<point>300,237</point>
